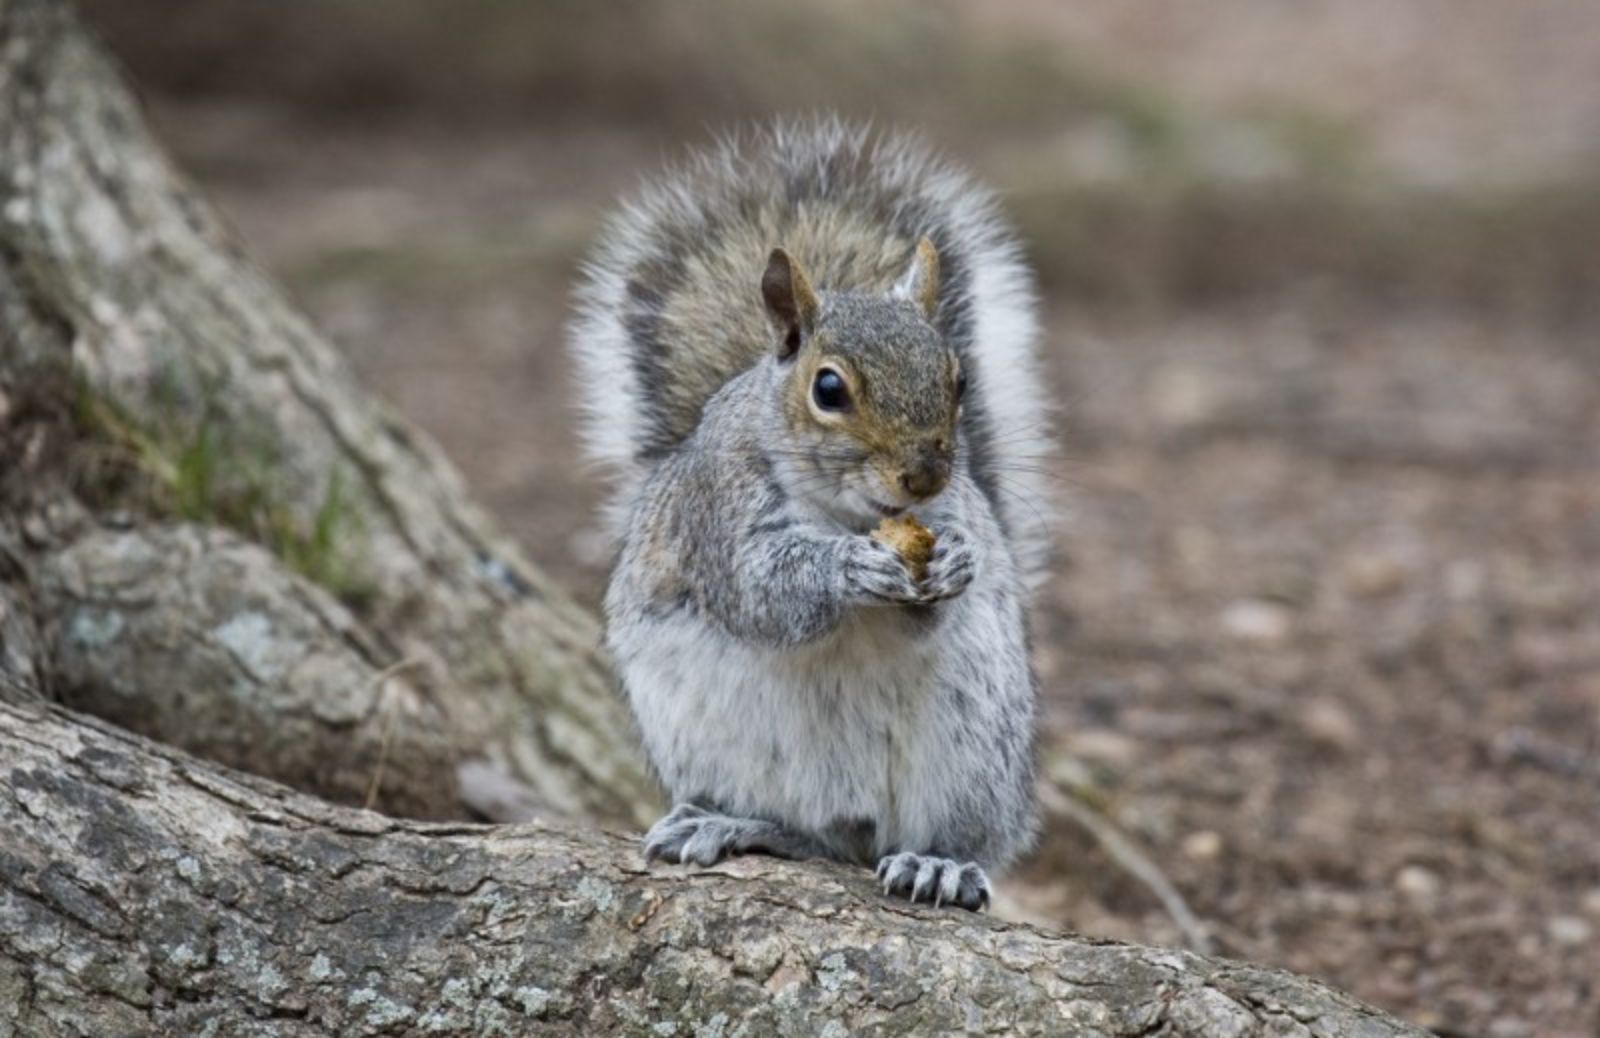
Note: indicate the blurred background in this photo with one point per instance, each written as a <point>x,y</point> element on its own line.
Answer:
<point>1322,293</point>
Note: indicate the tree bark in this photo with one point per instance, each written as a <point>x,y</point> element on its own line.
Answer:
<point>124,306</point>
<point>211,536</point>
<point>201,640</point>
<point>145,892</point>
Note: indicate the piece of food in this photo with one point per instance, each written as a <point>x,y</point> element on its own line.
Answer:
<point>912,541</point>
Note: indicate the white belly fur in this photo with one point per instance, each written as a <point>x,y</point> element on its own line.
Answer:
<point>848,728</point>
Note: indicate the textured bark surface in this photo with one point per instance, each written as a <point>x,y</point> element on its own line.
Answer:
<point>118,288</point>
<point>142,891</point>
<point>198,639</point>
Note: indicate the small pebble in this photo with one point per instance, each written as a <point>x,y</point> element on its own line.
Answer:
<point>1373,576</point>
<point>1417,881</point>
<point>1105,747</point>
<point>35,530</point>
<point>1568,930</point>
<point>1330,724</point>
<point>1204,845</point>
<point>1509,1027</point>
<point>1256,620</point>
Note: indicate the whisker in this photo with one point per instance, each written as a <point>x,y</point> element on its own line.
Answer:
<point>1022,470</point>
<point>1044,524</point>
<point>1032,432</point>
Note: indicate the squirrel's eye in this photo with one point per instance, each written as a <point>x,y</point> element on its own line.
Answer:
<point>961,386</point>
<point>829,391</point>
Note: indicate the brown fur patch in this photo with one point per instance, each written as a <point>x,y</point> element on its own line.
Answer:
<point>925,278</point>
<point>841,250</point>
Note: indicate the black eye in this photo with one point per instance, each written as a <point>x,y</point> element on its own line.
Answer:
<point>961,385</point>
<point>829,391</point>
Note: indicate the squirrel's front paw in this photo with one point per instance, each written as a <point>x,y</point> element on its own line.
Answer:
<point>875,572</point>
<point>951,567</point>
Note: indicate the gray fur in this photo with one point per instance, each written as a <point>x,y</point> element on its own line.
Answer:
<point>798,692</point>
<point>668,309</point>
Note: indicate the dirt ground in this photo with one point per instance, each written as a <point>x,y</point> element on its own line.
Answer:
<point>1325,632</point>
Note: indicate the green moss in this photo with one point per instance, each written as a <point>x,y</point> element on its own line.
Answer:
<point>1320,146</point>
<point>205,467</point>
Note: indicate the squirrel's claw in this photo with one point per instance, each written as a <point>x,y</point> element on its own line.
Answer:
<point>934,880</point>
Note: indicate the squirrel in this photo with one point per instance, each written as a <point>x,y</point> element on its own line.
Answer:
<point>798,334</point>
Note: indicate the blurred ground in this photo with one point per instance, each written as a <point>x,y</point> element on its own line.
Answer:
<point>1321,293</point>
<point>1450,90</point>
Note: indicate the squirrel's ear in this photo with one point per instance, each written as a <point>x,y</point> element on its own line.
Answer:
<point>920,282</point>
<point>791,302</point>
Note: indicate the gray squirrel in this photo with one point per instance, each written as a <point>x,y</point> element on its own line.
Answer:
<point>796,335</point>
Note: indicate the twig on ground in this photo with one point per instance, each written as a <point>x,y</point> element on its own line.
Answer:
<point>1523,746</point>
<point>390,702</point>
<point>1121,850</point>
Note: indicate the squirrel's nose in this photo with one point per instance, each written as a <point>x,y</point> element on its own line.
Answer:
<point>927,476</point>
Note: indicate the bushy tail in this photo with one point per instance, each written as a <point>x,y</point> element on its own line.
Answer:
<point>668,308</point>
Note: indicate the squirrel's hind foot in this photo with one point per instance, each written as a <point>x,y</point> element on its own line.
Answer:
<point>694,835</point>
<point>938,881</point>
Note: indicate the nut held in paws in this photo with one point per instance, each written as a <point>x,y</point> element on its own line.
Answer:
<point>912,541</point>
